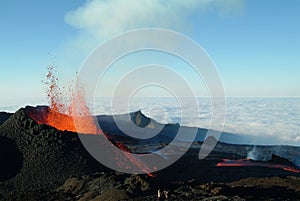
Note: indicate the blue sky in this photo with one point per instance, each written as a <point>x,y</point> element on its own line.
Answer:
<point>255,44</point>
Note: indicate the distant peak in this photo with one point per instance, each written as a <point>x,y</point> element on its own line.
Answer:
<point>140,119</point>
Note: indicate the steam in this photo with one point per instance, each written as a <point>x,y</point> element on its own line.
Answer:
<point>252,154</point>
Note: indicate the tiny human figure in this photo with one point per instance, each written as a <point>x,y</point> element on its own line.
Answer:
<point>166,194</point>
<point>158,194</point>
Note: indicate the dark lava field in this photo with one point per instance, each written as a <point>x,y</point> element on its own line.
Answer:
<point>39,162</point>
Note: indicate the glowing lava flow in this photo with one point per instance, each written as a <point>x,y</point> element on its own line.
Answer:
<point>249,162</point>
<point>63,116</point>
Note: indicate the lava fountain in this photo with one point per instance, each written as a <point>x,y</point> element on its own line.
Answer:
<point>63,116</point>
<point>60,113</point>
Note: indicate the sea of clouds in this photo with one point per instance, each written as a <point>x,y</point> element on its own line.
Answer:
<point>277,119</point>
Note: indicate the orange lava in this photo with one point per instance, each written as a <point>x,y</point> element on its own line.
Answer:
<point>248,162</point>
<point>63,122</point>
<point>61,114</point>
<point>291,169</point>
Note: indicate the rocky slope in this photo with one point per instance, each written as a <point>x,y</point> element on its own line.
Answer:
<point>45,157</point>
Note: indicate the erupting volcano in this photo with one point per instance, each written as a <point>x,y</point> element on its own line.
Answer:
<point>74,117</point>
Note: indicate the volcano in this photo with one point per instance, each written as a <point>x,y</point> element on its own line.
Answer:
<point>46,156</point>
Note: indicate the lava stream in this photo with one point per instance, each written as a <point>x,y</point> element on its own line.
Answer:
<point>249,162</point>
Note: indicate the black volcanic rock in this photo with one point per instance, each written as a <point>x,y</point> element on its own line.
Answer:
<point>11,159</point>
<point>49,156</point>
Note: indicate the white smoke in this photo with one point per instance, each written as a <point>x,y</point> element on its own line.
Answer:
<point>106,18</point>
<point>260,153</point>
<point>97,20</point>
<point>252,154</point>
<point>264,153</point>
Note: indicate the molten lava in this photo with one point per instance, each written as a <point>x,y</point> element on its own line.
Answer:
<point>63,115</point>
<point>46,115</point>
<point>249,162</point>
